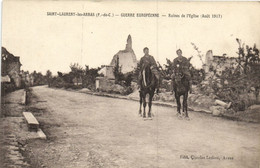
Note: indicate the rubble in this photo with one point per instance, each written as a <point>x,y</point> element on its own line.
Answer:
<point>223,104</point>
<point>217,110</point>
<point>254,107</point>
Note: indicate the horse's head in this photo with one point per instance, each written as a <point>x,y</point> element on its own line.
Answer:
<point>147,76</point>
<point>178,74</point>
<point>178,77</point>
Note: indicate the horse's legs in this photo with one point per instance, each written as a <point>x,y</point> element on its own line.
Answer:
<point>185,104</point>
<point>178,103</point>
<point>141,101</point>
<point>144,105</point>
<point>150,103</point>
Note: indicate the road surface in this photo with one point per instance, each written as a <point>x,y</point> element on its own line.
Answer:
<point>93,131</point>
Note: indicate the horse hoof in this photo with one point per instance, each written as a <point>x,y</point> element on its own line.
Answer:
<point>187,118</point>
<point>180,117</point>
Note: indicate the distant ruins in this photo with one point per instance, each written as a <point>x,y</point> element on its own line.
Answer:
<point>219,63</point>
<point>127,59</point>
<point>127,62</point>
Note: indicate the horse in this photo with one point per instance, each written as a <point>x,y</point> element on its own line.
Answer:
<point>181,88</point>
<point>147,86</point>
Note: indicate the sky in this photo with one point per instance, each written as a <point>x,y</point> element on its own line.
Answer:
<point>54,42</point>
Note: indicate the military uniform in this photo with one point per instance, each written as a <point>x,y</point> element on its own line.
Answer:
<point>184,65</point>
<point>148,60</point>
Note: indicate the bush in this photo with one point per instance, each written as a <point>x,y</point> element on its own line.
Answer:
<point>89,79</point>
<point>76,87</point>
<point>237,84</point>
<point>57,82</point>
<point>7,88</point>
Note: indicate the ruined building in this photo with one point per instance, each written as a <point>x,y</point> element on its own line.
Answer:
<point>127,59</point>
<point>127,62</point>
<point>11,67</point>
<point>218,63</point>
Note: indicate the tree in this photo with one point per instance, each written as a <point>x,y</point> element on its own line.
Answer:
<point>249,63</point>
<point>89,78</point>
<point>76,71</point>
<point>60,74</point>
<point>38,78</point>
<point>236,83</point>
<point>49,77</point>
<point>117,72</point>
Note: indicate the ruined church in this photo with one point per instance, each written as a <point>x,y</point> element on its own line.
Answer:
<point>127,62</point>
<point>126,58</point>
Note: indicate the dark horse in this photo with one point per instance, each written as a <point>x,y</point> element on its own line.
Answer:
<point>181,88</point>
<point>148,86</point>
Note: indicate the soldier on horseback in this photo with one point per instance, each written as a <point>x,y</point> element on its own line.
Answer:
<point>148,60</point>
<point>183,63</point>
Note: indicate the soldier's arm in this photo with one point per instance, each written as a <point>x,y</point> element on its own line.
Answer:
<point>174,64</point>
<point>141,62</point>
<point>153,62</point>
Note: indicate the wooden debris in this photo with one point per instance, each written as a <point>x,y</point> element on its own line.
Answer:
<point>32,122</point>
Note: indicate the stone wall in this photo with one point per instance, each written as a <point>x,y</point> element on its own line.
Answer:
<point>107,71</point>
<point>218,63</point>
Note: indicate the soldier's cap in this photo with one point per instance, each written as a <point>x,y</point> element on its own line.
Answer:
<point>145,48</point>
<point>179,50</point>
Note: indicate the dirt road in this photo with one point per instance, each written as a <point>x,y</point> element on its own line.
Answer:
<point>92,131</point>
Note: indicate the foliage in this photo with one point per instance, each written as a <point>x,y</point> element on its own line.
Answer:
<point>7,87</point>
<point>48,77</point>
<point>76,70</point>
<point>198,75</point>
<point>89,78</point>
<point>119,76</point>
<point>199,53</point>
<point>38,78</point>
<point>135,73</point>
<point>167,71</point>
<point>128,78</point>
<point>238,83</point>
<point>57,82</point>
<point>124,79</point>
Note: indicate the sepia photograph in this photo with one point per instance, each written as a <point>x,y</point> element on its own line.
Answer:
<point>130,84</point>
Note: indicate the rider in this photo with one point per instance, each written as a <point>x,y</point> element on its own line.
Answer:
<point>148,60</point>
<point>182,62</point>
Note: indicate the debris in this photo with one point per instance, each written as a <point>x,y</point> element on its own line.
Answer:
<point>217,110</point>
<point>33,124</point>
<point>223,104</point>
<point>41,134</point>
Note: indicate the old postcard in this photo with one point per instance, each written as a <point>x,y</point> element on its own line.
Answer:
<point>130,84</point>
